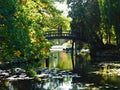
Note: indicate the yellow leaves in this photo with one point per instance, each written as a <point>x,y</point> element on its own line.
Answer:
<point>45,50</point>
<point>44,5</point>
<point>39,79</point>
<point>17,53</point>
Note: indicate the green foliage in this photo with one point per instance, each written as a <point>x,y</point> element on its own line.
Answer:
<point>32,73</point>
<point>98,20</point>
<point>86,20</point>
<point>21,26</point>
<point>110,12</point>
<point>52,19</point>
<point>22,23</point>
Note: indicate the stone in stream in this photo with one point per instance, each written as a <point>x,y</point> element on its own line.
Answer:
<point>4,73</point>
<point>23,75</point>
<point>42,75</point>
<point>19,77</point>
<point>118,72</point>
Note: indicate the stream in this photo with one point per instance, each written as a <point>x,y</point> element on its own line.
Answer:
<point>59,75</point>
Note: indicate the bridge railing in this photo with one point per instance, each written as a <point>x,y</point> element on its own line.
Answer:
<point>63,34</point>
<point>56,33</point>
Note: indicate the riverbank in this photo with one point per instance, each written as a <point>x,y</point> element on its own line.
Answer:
<point>111,54</point>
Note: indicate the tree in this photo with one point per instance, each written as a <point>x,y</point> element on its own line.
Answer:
<point>110,12</point>
<point>98,20</point>
<point>92,23</point>
<point>22,23</point>
<point>86,19</point>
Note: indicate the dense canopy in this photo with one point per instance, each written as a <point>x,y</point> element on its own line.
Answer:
<point>22,25</point>
<point>99,20</point>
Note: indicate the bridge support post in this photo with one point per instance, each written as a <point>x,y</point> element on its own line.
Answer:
<point>72,55</point>
<point>47,62</point>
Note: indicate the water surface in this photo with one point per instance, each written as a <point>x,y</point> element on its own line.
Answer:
<point>85,80</point>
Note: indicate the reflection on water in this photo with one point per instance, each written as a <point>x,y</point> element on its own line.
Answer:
<point>62,60</point>
<point>48,84</point>
<point>59,83</point>
<point>16,85</point>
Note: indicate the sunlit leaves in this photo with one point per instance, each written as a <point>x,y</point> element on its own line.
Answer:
<point>110,13</point>
<point>17,53</point>
<point>22,23</point>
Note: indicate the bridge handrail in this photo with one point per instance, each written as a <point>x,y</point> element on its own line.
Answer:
<point>56,33</point>
<point>63,34</point>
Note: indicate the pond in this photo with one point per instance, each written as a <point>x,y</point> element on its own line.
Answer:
<point>89,76</point>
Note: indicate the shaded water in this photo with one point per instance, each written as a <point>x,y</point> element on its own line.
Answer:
<point>72,81</point>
